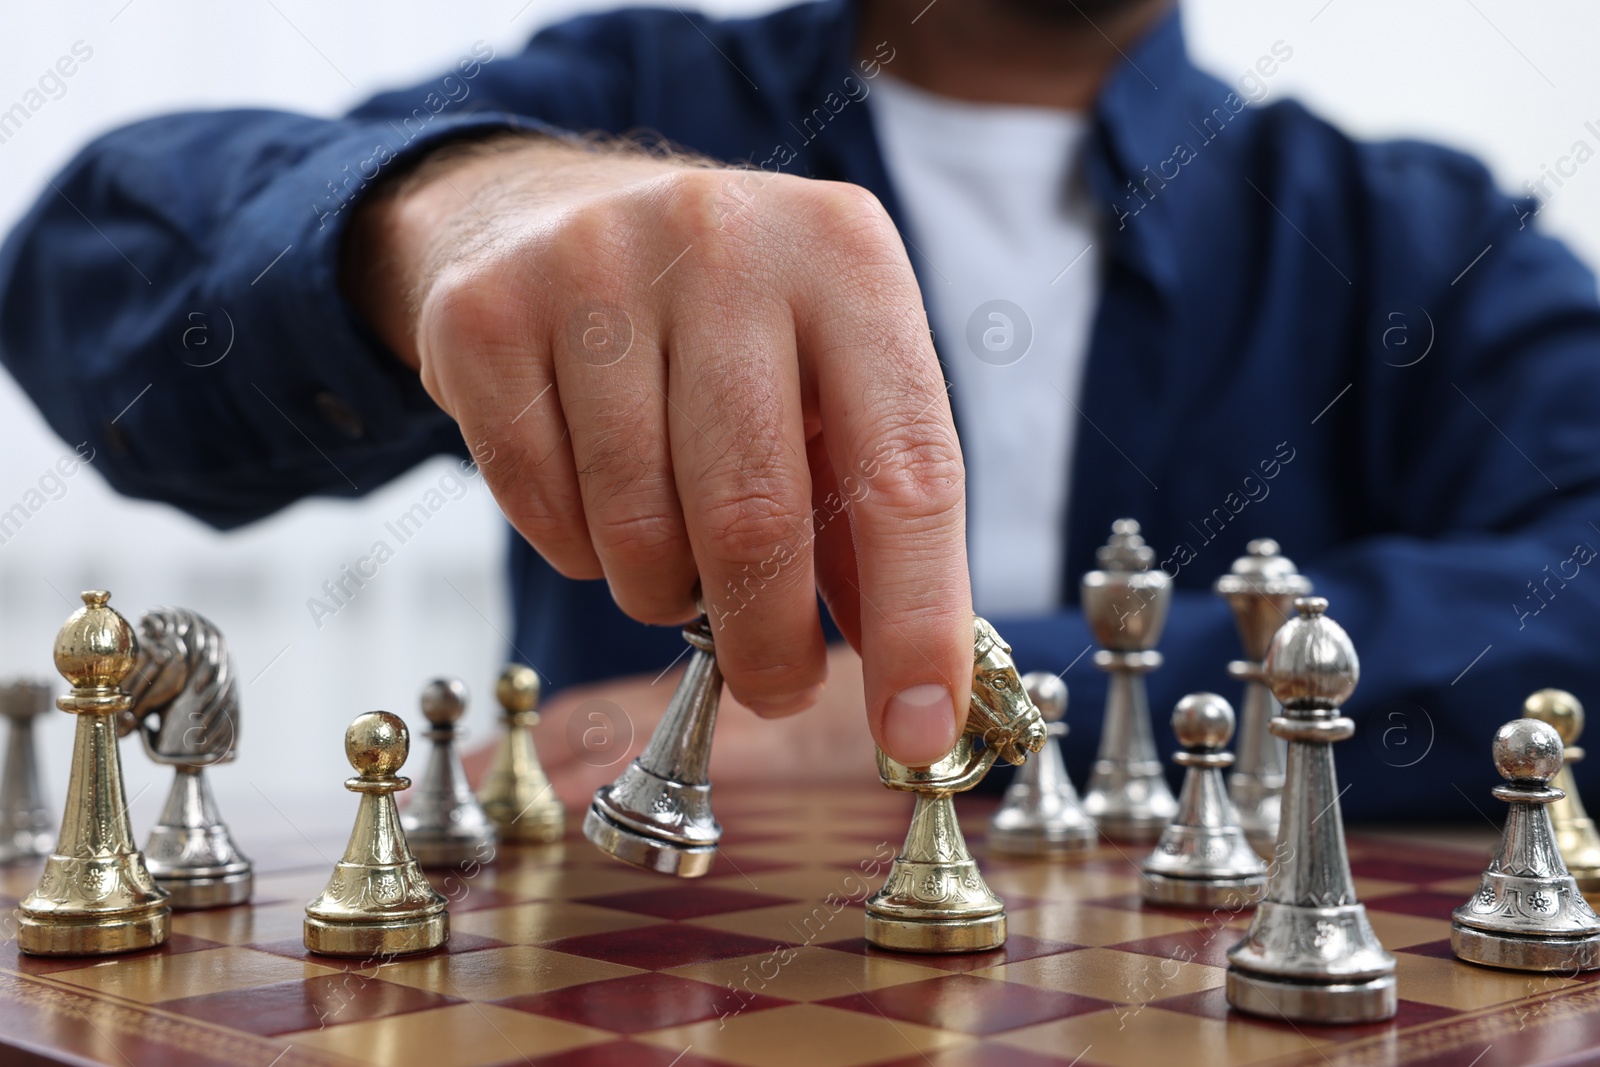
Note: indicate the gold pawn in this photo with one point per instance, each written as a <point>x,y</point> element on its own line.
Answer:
<point>517,795</point>
<point>378,903</point>
<point>1576,836</point>
<point>96,897</point>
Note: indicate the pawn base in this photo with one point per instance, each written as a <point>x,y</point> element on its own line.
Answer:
<point>1515,953</point>
<point>542,824</point>
<point>1139,828</point>
<point>928,936</point>
<point>1072,842</point>
<point>1312,1002</point>
<point>1230,894</point>
<point>197,894</point>
<point>651,853</point>
<point>90,936</point>
<point>379,938</point>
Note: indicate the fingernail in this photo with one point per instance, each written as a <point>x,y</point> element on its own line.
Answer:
<point>919,726</point>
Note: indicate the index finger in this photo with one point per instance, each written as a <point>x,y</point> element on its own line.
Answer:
<point>892,443</point>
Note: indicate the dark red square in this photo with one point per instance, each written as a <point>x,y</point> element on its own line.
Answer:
<point>1429,905</point>
<point>622,1054</point>
<point>640,1002</point>
<point>1415,870</point>
<point>1207,946</point>
<point>969,1005</point>
<point>307,1003</point>
<point>1018,947</point>
<point>667,945</point>
<point>684,902</point>
<point>987,1054</point>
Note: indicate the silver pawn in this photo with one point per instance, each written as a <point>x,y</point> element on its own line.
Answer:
<point>185,695</point>
<point>657,814</point>
<point>444,823</point>
<point>1126,604</point>
<point>1261,590</point>
<point>1041,815</point>
<point>1203,859</point>
<point>1527,914</point>
<point>26,828</point>
<point>1310,954</point>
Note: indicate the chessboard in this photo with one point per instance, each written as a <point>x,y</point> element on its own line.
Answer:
<point>560,956</point>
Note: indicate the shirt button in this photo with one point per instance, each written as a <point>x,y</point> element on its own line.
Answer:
<point>340,415</point>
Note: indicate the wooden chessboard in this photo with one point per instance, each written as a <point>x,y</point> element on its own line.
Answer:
<point>563,957</point>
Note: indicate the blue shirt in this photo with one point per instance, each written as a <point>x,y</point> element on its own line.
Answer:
<point>1363,350</point>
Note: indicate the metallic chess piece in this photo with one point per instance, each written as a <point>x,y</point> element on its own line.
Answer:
<point>444,824</point>
<point>1041,815</point>
<point>1261,589</point>
<point>96,896</point>
<point>1310,954</point>
<point>657,814</point>
<point>1575,831</point>
<point>1203,859</point>
<point>1126,603</point>
<point>378,903</point>
<point>934,899</point>
<point>517,796</point>
<point>26,829</point>
<point>1527,914</point>
<point>186,709</point>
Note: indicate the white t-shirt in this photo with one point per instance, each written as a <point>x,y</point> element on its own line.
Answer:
<point>1001,225</point>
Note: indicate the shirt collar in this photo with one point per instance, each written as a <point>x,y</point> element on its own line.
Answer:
<point>1152,103</point>
<point>1146,126</point>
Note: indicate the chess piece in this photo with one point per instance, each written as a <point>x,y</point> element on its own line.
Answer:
<point>1527,914</point>
<point>186,710</point>
<point>1261,589</point>
<point>517,796</point>
<point>378,903</point>
<point>96,896</point>
<point>444,824</point>
<point>1575,831</point>
<point>26,829</point>
<point>1310,954</point>
<point>1126,603</point>
<point>657,814</point>
<point>1204,859</point>
<point>935,899</point>
<point>1041,815</point>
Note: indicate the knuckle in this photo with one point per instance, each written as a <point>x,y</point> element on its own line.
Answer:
<point>475,311</point>
<point>745,523</point>
<point>639,536</point>
<point>850,215</point>
<point>918,474</point>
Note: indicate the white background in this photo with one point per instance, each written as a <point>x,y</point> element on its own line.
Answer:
<point>1514,83</point>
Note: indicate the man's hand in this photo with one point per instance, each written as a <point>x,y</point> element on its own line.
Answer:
<point>671,372</point>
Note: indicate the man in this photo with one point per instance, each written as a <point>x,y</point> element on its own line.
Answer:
<point>1225,321</point>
